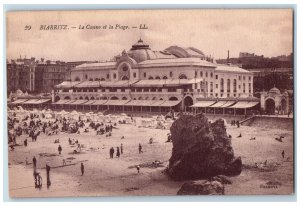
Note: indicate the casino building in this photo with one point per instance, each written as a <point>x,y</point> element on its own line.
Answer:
<point>143,80</point>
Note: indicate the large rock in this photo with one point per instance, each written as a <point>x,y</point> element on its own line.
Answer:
<point>201,187</point>
<point>201,149</point>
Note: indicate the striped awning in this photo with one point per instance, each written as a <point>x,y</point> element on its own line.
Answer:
<point>63,101</point>
<point>243,105</point>
<point>170,103</point>
<point>157,103</point>
<point>78,102</point>
<point>90,102</point>
<point>227,104</point>
<point>116,102</point>
<point>31,101</point>
<point>203,103</point>
<point>99,102</point>
<point>18,101</point>
<point>138,103</point>
<point>218,104</point>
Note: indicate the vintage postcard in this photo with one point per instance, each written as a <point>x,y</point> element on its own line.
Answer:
<point>150,102</point>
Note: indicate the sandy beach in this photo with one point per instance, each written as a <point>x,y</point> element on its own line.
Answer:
<point>104,176</point>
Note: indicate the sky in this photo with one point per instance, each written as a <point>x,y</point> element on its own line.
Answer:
<point>267,32</point>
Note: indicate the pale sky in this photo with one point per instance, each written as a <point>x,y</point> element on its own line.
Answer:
<point>266,32</point>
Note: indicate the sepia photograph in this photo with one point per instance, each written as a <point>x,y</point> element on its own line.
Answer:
<point>150,102</point>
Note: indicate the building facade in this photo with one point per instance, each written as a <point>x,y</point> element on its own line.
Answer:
<point>185,75</point>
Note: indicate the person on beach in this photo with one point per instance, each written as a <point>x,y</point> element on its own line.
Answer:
<point>138,168</point>
<point>59,149</point>
<point>25,142</point>
<point>112,151</point>
<point>282,154</point>
<point>82,168</point>
<point>121,148</point>
<point>140,148</point>
<point>118,152</point>
<point>39,180</point>
<point>34,162</point>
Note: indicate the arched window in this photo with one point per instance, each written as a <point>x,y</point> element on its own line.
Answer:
<point>150,77</point>
<point>87,98</point>
<point>114,98</point>
<point>115,75</point>
<point>206,74</point>
<point>201,74</point>
<point>182,76</point>
<point>154,98</point>
<point>97,79</point>
<point>67,97</point>
<point>102,79</point>
<point>157,77</point>
<point>125,68</point>
<point>125,78</point>
<point>92,98</point>
<point>146,98</point>
<point>91,79</point>
<point>104,98</point>
<point>77,79</point>
<point>161,99</point>
<point>173,98</point>
<point>228,85</point>
<point>80,97</point>
<point>134,75</point>
<point>86,76</point>
<point>140,98</point>
<point>165,77</point>
<point>124,98</point>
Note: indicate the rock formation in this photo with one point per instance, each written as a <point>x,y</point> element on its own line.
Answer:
<point>201,149</point>
<point>202,187</point>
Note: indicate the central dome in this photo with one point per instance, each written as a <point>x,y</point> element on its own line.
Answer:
<point>141,52</point>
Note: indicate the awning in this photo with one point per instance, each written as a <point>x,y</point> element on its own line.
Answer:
<point>90,102</point>
<point>218,104</point>
<point>18,101</point>
<point>252,104</point>
<point>170,103</point>
<point>66,84</point>
<point>116,102</point>
<point>227,104</point>
<point>157,103</point>
<point>244,105</point>
<point>41,101</point>
<point>203,103</point>
<point>121,83</point>
<point>78,102</point>
<point>31,101</point>
<point>87,84</point>
<point>137,103</point>
<point>62,101</point>
<point>99,102</point>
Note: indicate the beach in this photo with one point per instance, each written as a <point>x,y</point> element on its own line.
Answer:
<point>104,176</point>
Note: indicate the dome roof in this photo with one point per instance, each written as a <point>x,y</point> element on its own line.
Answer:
<point>274,90</point>
<point>141,52</point>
